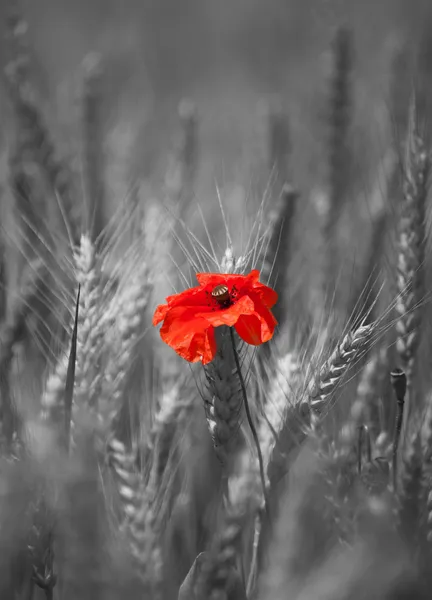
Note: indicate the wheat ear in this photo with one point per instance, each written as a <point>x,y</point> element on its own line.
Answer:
<point>138,522</point>
<point>410,268</point>
<point>174,408</point>
<point>13,332</point>
<point>339,121</point>
<point>35,138</point>
<point>223,397</point>
<point>279,147</point>
<point>180,177</point>
<point>277,253</point>
<point>130,317</point>
<point>88,378</point>
<point>41,548</point>
<point>336,367</point>
<point>219,577</point>
<point>275,424</point>
<point>410,489</point>
<point>82,552</point>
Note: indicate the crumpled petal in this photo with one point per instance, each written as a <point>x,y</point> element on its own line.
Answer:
<point>190,336</point>
<point>258,327</point>
<point>266,294</point>
<point>160,313</point>
<point>229,316</point>
<point>202,349</point>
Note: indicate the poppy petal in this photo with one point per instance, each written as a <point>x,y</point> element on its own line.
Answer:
<point>188,334</point>
<point>249,329</point>
<point>160,313</point>
<point>257,328</point>
<point>268,321</point>
<point>230,279</point>
<point>195,296</point>
<point>229,316</point>
<point>267,295</point>
<point>202,347</point>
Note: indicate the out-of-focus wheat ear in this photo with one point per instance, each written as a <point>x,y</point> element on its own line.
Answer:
<point>93,148</point>
<point>279,147</point>
<point>218,577</point>
<point>410,490</point>
<point>15,520</point>
<point>182,170</point>
<point>138,518</point>
<point>339,118</point>
<point>29,194</point>
<point>426,441</point>
<point>83,568</point>
<point>302,533</point>
<point>41,548</point>
<point>52,399</point>
<point>280,430</point>
<point>277,251</point>
<point>4,279</point>
<point>130,317</point>
<point>427,432</point>
<point>427,532</point>
<point>88,376</point>
<point>399,90</point>
<point>278,404</point>
<point>332,372</point>
<point>175,406</point>
<point>411,252</point>
<point>34,142</point>
<point>369,390</point>
<point>223,398</point>
<point>364,301</point>
<point>13,331</point>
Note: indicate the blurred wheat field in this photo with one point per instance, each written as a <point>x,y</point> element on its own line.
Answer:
<point>165,140</point>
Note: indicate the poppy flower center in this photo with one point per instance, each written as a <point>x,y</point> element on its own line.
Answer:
<point>221,294</point>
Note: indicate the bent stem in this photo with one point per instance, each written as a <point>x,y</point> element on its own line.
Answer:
<point>251,424</point>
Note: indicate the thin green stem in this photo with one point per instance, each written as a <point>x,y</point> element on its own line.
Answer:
<point>251,424</point>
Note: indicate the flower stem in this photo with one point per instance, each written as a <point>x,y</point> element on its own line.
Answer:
<point>251,424</point>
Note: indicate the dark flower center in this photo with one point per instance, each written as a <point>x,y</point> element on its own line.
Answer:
<point>221,294</point>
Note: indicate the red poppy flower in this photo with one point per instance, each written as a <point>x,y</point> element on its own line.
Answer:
<point>238,301</point>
